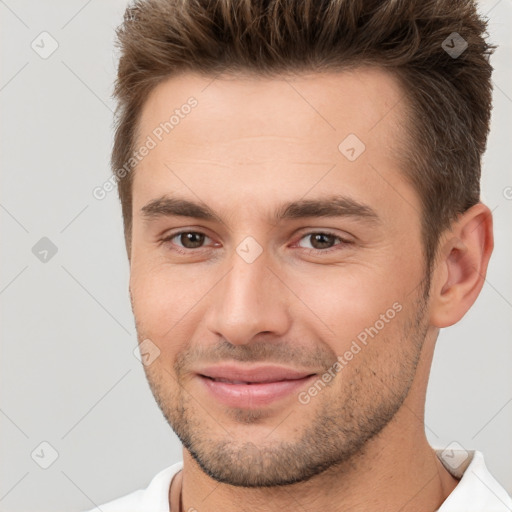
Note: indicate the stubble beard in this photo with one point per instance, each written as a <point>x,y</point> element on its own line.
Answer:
<point>334,438</point>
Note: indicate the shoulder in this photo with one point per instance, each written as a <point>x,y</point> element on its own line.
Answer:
<point>154,498</point>
<point>477,489</point>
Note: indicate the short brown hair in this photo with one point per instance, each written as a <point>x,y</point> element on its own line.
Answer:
<point>448,97</point>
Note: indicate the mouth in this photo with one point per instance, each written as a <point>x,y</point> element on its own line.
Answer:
<point>249,387</point>
<point>248,382</point>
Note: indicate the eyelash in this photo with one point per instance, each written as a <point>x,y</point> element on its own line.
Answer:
<point>184,251</point>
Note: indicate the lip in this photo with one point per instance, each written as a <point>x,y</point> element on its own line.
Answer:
<point>255,386</point>
<point>254,374</point>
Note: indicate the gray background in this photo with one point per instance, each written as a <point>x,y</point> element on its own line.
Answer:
<point>68,373</point>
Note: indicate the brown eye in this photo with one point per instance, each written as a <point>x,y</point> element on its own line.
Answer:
<point>190,239</point>
<point>185,240</point>
<point>321,241</point>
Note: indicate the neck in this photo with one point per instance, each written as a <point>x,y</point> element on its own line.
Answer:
<point>397,471</point>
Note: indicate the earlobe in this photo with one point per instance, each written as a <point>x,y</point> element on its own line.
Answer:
<point>461,266</point>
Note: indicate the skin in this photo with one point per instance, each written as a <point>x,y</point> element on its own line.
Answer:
<point>250,145</point>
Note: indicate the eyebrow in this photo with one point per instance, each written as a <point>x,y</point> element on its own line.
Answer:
<point>332,206</point>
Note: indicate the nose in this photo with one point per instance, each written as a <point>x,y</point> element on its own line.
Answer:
<point>249,300</point>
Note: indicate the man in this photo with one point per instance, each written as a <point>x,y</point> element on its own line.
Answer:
<point>300,190</point>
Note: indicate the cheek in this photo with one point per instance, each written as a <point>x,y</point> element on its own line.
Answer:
<point>350,305</point>
<point>164,301</point>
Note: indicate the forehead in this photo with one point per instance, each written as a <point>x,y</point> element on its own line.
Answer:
<point>254,133</point>
<point>305,106</point>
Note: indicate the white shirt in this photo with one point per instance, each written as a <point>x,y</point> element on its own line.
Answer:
<point>477,490</point>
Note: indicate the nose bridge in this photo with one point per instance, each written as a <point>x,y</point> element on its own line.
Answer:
<point>248,300</point>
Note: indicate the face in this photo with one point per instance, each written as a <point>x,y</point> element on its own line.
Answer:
<point>276,268</point>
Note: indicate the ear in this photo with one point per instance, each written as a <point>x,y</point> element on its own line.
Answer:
<point>461,266</point>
